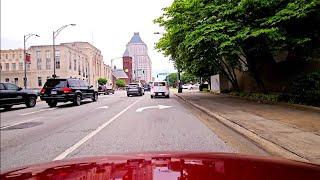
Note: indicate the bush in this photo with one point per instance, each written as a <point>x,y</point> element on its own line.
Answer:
<point>102,81</point>
<point>270,98</point>
<point>304,89</point>
<point>120,83</point>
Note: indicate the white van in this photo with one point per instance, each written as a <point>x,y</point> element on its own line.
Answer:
<point>160,88</point>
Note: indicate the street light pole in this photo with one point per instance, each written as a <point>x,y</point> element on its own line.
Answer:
<point>25,38</point>
<point>54,35</point>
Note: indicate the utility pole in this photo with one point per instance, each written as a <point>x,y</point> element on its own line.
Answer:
<point>25,38</point>
<point>54,35</point>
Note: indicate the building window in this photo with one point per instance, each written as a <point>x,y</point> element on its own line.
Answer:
<point>28,66</point>
<point>79,68</point>
<point>70,59</point>
<point>12,56</point>
<point>20,65</point>
<point>7,66</point>
<point>0,66</point>
<point>6,56</point>
<point>14,67</point>
<point>48,60</point>
<point>75,65</point>
<point>39,81</point>
<point>48,54</point>
<point>38,56</point>
<point>57,59</point>
<point>7,79</point>
<point>16,81</point>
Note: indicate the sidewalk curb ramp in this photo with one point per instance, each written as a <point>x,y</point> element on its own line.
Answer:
<point>268,146</point>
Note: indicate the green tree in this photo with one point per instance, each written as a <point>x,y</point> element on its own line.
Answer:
<point>120,83</point>
<point>172,79</point>
<point>102,81</point>
<point>204,37</point>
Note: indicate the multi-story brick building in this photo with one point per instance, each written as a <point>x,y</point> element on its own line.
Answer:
<point>127,66</point>
<point>83,61</point>
<point>141,63</point>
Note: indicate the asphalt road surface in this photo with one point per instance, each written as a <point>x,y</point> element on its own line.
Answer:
<point>113,124</point>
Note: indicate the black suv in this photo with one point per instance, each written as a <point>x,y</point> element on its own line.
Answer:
<point>135,89</point>
<point>64,90</point>
<point>11,94</point>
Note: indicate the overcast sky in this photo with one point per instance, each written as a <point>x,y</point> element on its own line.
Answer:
<point>108,24</point>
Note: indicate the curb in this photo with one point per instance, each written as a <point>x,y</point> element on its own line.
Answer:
<point>268,146</point>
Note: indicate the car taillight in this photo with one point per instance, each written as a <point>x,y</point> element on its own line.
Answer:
<point>42,91</point>
<point>66,90</point>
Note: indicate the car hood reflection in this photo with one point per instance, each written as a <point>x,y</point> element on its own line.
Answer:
<point>169,166</point>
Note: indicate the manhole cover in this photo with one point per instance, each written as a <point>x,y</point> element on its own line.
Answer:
<point>22,126</point>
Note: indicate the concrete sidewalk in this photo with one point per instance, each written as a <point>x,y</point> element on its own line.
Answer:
<point>281,130</point>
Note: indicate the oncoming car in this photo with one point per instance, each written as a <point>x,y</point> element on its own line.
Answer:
<point>160,89</point>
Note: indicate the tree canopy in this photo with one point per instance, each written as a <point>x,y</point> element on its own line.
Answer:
<point>120,83</point>
<point>102,81</point>
<point>205,37</point>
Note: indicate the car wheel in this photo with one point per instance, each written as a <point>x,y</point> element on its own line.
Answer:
<point>52,103</point>
<point>77,100</point>
<point>31,102</point>
<point>128,95</point>
<point>95,97</point>
<point>151,97</point>
<point>7,107</point>
<point>167,96</point>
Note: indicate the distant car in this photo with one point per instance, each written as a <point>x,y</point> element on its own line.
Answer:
<point>146,87</point>
<point>102,89</point>
<point>11,94</point>
<point>105,89</point>
<point>110,88</point>
<point>187,86</point>
<point>64,90</point>
<point>135,89</point>
<point>160,89</point>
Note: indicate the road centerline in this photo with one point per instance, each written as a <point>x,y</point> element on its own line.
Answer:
<point>93,133</point>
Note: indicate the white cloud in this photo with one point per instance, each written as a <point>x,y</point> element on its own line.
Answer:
<point>109,24</point>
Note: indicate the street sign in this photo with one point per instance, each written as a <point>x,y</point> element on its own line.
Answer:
<point>28,58</point>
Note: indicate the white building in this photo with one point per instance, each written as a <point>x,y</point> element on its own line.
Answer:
<point>141,63</point>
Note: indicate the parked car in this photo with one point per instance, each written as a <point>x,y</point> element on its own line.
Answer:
<point>11,94</point>
<point>135,89</point>
<point>160,89</point>
<point>187,86</point>
<point>106,89</point>
<point>64,90</point>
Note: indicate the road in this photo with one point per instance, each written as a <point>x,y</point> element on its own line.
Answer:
<point>113,124</point>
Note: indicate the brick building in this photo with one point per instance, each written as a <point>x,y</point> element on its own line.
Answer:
<point>127,66</point>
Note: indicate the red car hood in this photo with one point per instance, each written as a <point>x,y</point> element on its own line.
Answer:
<point>169,166</point>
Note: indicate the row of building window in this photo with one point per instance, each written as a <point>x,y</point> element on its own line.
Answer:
<point>7,56</point>
<point>16,81</point>
<point>14,66</point>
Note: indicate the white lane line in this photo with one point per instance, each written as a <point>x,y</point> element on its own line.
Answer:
<point>103,107</point>
<point>4,127</point>
<point>41,110</point>
<point>92,133</point>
